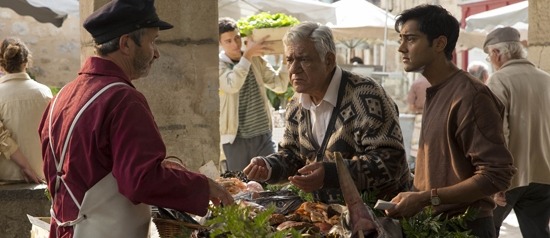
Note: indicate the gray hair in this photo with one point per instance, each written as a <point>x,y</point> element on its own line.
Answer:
<point>478,70</point>
<point>510,50</point>
<point>112,45</point>
<point>319,34</point>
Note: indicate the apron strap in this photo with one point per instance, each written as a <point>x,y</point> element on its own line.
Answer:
<point>59,164</point>
<point>67,223</point>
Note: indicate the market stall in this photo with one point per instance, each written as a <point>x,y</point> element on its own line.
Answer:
<point>302,9</point>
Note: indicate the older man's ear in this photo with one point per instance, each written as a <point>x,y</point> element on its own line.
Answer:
<point>330,59</point>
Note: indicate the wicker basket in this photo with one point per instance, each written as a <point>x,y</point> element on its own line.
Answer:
<point>168,228</point>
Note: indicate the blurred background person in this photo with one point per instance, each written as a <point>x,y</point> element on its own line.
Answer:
<point>22,103</point>
<point>415,101</point>
<point>356,60</point>
<point>523,89</point>
<point>245,115</point>
<point>479,70</point>
<point>417,95</point>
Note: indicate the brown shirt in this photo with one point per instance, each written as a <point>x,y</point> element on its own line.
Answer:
<point>462,141</point>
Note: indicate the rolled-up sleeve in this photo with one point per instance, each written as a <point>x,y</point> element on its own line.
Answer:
<point>485,146</point>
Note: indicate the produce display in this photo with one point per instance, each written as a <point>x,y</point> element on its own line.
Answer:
<point>272,211</point>
<point>265,20</point>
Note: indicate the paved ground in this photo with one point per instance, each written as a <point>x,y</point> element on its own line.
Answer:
<point>509,229</point>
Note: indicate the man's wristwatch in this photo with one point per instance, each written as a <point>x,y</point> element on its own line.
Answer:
<point>435,198</point>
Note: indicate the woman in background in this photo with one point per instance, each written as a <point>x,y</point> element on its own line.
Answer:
<point>22,103</point>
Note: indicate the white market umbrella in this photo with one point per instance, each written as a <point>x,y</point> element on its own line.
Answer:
<point>514,15</point>
<point>361,19</point>
<point>303,10</point>
<point>479,25</point>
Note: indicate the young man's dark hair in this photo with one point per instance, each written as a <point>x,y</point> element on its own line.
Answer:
<point>434,21</point>
<point>226,24</point>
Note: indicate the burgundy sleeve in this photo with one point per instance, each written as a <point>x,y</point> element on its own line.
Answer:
<point>138,150</point>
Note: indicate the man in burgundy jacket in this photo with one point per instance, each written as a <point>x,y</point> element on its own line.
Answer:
<point>103,153</point>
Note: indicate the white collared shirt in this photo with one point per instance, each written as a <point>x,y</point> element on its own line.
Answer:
<point>320,114</point>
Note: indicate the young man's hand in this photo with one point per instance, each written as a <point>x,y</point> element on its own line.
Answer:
<point>256,48</point>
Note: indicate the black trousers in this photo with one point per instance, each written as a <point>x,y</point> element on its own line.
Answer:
<point>239,154</point>
<point>482,227</point>
<point>532,207</point>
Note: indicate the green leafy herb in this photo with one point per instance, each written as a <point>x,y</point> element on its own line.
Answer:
<point>237,221</point>
<point>265,20</point>
<point>47,194</point>
<point>274,187</point>
<point>308,197</point>
<point>279,100</point>
<point>55,90</point>
<point>425,224</point>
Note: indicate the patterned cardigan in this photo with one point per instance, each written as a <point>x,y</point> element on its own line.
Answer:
<point>366,132</point>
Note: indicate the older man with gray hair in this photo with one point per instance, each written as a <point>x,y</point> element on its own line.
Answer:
<point>523,89</point>
<point>334,111</point>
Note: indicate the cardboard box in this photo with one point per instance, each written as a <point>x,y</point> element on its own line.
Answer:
<point>275,39</point>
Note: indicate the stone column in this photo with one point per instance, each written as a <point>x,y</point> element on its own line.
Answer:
<point>539,43</point>
<point>182,87</point>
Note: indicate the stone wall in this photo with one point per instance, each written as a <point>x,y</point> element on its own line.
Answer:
<point>182,87</point>
<point>539,30</point>
<point>16,201</point>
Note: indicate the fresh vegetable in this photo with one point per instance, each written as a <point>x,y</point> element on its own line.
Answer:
<point>308,197</point>
<point>238,221</point>
<point>425,224</point>
<point>265,20</point>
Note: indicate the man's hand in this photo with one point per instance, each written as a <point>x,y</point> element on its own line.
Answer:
<point>311,178</point>
<point>28,173</point>
<point>256,170</point>
<point>408,204</point>
<point>218,194</point>
<point>256,48</point>
<point>31,176</point>
<point>500,199</point>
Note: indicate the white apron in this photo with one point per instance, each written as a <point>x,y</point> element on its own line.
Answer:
<point>104,212</point>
